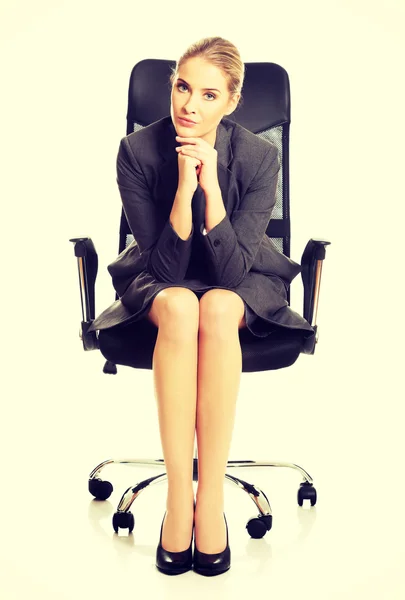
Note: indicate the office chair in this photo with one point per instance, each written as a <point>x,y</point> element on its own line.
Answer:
<point>265,111</point>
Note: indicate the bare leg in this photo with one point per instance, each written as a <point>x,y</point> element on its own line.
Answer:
<point>176,314</point>
<point>219,370</point>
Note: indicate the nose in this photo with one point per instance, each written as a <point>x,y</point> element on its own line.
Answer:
<point>190,106</point>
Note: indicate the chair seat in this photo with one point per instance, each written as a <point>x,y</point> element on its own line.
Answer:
<point>133,345</point>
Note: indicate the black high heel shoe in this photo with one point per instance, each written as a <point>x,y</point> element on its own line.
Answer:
<point>174,563</point>
<point>213,564</point>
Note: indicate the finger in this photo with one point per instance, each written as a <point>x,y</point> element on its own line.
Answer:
<point>188,152</point>
<point>187,155</point>
<point>191,154</point>
<point>192,159</point>
<point>190,140</point>
<point>194,154</point>
<point>187,147</point>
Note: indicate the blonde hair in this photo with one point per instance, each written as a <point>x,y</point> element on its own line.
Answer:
<point>221,53</point>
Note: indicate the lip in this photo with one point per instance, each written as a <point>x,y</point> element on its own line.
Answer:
<point>186,122</point>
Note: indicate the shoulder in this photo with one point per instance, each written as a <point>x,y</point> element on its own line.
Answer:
<point>252,156</point>
<point>144,144</point>
<point>245,142</point>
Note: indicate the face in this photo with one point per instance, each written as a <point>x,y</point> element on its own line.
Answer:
<point>200,93</point>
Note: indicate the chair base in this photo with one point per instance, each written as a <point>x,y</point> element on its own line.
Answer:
<point>257,526</point>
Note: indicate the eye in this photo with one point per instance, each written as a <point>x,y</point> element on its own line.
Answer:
<point>180,85</point>
<point>213,96</point>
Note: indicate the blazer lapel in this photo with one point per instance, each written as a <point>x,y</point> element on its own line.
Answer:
<point>223,144</point>
<point>167,168</point>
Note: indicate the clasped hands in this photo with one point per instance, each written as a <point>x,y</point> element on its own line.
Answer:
<point>205,163</point>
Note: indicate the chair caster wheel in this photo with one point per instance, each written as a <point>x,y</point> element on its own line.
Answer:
<point>123,520</point>
<point>100,489</point>
<point>258,526</point>
<point>306,492</point>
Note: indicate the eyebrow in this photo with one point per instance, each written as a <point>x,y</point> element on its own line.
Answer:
<point>204,89</point>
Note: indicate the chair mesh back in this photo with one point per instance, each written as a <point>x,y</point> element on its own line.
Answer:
<point>275,136</point>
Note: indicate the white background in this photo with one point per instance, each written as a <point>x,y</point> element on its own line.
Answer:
<point>65,68</point>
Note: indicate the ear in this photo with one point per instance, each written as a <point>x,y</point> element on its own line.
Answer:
<point>232,104</point>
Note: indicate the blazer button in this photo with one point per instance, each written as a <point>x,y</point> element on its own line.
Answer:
<point>217,242</point>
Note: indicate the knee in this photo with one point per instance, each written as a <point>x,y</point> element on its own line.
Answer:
<point>178,312</point>
<point>221,311</point>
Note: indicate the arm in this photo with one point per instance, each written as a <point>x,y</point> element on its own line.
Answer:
<point>168,254</point>
<point>232,244</point>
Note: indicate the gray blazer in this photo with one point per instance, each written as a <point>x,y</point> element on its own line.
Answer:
<point>147,177</point>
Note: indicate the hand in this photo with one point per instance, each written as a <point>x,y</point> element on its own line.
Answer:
<point>206,154</point>
<point>187,172</point>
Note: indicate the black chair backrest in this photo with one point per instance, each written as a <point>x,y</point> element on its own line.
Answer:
<point>265,110</point>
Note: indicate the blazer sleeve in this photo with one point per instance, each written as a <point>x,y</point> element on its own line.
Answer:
<point>167,254</point>
<point>234,242</point>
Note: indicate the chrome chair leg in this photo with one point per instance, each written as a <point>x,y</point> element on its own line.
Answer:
<point>262,463</point>
<point>131,494</point>
<point>257,495</point>
<point>132,461</point>
<point>306,490</point>
<point>123,517</point>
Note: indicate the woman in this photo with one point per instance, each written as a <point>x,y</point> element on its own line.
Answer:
<point>198,191</point>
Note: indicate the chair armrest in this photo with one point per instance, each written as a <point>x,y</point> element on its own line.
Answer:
<point>311,263</point>
<point>87,263</point>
